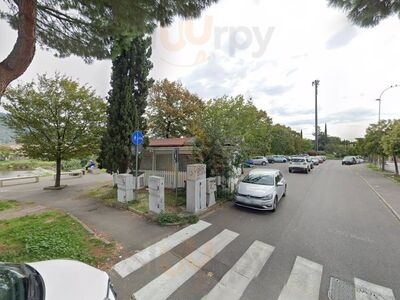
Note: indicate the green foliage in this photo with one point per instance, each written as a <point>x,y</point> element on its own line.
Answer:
<point>130,85</point>
<point>55,119</point>
<point>391,141</point>
<point>87,28</point>
<point>374,136</point>
<point>8,204</point>
<point>50,235</point>
<point>228,131</point>
<point>173,218</point>
<point>6,152</point>
<point>367,12</point>
<point>25,164</point>
<point>72,164</point>
<point>287,141</point>
<point>172,110</point>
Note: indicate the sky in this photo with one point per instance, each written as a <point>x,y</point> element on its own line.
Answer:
<point>269,51</point>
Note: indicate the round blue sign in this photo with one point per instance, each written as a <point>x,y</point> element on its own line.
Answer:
<point>137,138</point>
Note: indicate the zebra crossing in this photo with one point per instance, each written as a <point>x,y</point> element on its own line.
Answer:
<point>303,282</point>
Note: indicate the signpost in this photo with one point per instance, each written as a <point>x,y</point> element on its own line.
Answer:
<point>137,139</point>
<point>176,160</point>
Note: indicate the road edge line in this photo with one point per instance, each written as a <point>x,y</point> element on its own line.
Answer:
<point>392,210</point>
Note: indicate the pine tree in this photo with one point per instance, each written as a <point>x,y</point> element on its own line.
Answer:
<point>127,103</point>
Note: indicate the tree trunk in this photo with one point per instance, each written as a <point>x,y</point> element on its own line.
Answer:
<point>58,172</point>
<point>22,54</point>
<point>396,165</point>
<point>383,163</point>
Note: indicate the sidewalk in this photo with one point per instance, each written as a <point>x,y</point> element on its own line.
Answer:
<point>388,189</point>
<point>130,230</point>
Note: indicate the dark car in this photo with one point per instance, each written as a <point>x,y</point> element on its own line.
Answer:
<point>349,160</point>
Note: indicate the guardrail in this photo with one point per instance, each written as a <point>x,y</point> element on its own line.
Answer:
<point>2,180</point>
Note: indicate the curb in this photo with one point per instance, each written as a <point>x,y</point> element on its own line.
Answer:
<point>392,210</point>
<point>89,230</point>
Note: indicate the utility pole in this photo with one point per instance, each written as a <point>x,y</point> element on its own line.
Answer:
<point>315,83</point>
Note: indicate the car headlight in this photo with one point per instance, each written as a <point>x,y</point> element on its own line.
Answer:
<point>268,197</point>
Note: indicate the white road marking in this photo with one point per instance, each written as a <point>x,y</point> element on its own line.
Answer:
<point>168,282</point>
<point>369,291</point>
<point>304,281</point>
<point>135,262</point>
<point>236,280</point>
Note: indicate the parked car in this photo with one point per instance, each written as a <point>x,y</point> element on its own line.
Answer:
<point>320,158</point>
<point>360,159</point>
<point>270,159</point>
<point>310,162</point>
<point>54,279</point>
<point>279,158</point>
<point>315,161</point>
<point>260,160</point>
<point>299,164</point>
<point>261,189</point>
<point>349,160</point>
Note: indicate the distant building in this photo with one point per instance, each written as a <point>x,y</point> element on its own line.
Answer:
<point>160,154</point>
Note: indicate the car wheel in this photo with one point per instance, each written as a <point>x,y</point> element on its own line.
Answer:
<point>264,163</point>
<point>306,171</point>
<point>284,193</point>
<point>290,170</point>
<point>275,204</point>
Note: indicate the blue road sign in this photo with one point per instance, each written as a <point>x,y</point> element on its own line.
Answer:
<point>137,138</point>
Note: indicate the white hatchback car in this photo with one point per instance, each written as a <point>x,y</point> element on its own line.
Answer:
<point>54,280</point>
<point>299,164</point>
<point>261,189</point>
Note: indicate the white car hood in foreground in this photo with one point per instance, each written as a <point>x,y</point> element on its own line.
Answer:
<point>68,280</point>
<point>255,190</point>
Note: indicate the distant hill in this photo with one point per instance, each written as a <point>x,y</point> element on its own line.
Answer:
<point>5,132</point>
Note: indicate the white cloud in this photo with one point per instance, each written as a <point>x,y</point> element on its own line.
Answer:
<point>304,40</point>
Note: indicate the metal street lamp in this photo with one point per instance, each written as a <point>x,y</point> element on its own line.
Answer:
<point>315,84</point>
<point>380,98</point>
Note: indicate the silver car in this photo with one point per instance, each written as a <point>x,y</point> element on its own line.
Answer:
<point>261,189</point>
<point>260,160</point>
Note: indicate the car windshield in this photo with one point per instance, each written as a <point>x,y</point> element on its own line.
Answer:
<point>298,160</point>
<point>260,179</point>
<point>348,158</point>
<point>20,282</point>
<point>13,283</point>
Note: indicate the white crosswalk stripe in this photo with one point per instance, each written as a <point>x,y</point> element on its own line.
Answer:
<point>168,282</point>
<point>368,291</point>
<point>135,262</point>
<point>304,281</point>
<point>236,280</point>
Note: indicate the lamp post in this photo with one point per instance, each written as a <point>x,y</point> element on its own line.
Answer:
<point>380,98</point>
<point>315,83</point>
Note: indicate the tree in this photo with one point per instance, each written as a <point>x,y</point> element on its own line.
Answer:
<point>130,84</point>
<point>287,141</point>
<point>229,130</point>
<point>367,13</point>
<point>55,119</point>
<point>83,28</point>
<point>172,109</point>
<point>373,139</point>
<point>391,143</point>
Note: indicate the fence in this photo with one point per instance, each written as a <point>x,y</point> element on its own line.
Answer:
<point>169,178</point>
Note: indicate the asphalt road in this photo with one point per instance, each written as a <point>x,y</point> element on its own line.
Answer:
<point>330,235</point>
